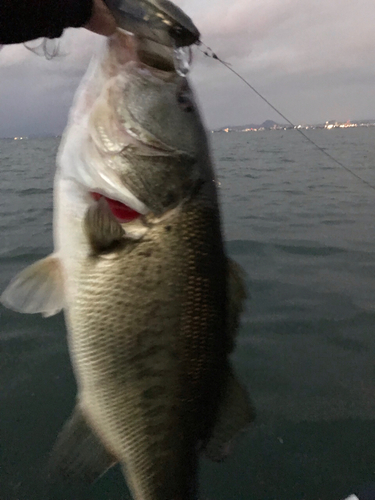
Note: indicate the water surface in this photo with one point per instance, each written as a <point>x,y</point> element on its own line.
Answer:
<point>304,231</point>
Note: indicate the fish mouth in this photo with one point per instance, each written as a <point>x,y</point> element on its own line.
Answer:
<point>126,47</point>
<point>155,56</point>
<point>146,59</point>
<point>152,54</point>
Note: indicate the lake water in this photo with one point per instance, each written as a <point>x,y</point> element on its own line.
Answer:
<point>304,230</point>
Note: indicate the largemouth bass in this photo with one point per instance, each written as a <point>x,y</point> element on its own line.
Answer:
<point>151,301</point>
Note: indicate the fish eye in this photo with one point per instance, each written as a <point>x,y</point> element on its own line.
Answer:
<point>183,36</point>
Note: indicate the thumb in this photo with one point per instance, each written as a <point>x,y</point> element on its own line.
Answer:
<point>101,21</point>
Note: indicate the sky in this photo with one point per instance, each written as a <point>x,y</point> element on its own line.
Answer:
<point>313,59</point>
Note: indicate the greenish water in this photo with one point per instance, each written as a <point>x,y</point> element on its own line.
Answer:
<point>305,233</point>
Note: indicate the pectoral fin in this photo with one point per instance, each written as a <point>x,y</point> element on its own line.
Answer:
<point>78,453</point>
<point>102,228</point>
<point>37,289</point>
<point>236,412</point>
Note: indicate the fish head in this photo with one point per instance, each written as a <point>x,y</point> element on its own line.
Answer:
<point>144,143</point>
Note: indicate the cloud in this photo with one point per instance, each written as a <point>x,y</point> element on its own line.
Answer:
<point>315,60</point>
<point>36,93</point>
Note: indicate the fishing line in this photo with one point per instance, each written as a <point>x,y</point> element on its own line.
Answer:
<point>210,53</point>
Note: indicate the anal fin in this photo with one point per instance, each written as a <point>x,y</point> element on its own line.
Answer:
<point>236,412</point>
<point>37,289</point>
<point>78,453</point>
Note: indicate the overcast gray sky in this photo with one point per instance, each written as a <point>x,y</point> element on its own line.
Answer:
<point>314,59</point>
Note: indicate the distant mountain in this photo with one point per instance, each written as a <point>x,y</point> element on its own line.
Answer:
<point>268,124</point>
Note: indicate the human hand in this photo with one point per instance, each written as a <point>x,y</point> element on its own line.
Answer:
<point>101,22</point>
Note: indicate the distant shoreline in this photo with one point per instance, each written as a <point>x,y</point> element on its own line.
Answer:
<point>271,125</point>
<point>266,126</point>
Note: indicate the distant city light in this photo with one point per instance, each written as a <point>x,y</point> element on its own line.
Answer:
<point>329,125</point>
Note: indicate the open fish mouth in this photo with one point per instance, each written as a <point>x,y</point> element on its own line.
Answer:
<point>115,124</point>
<point>152,54</point>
